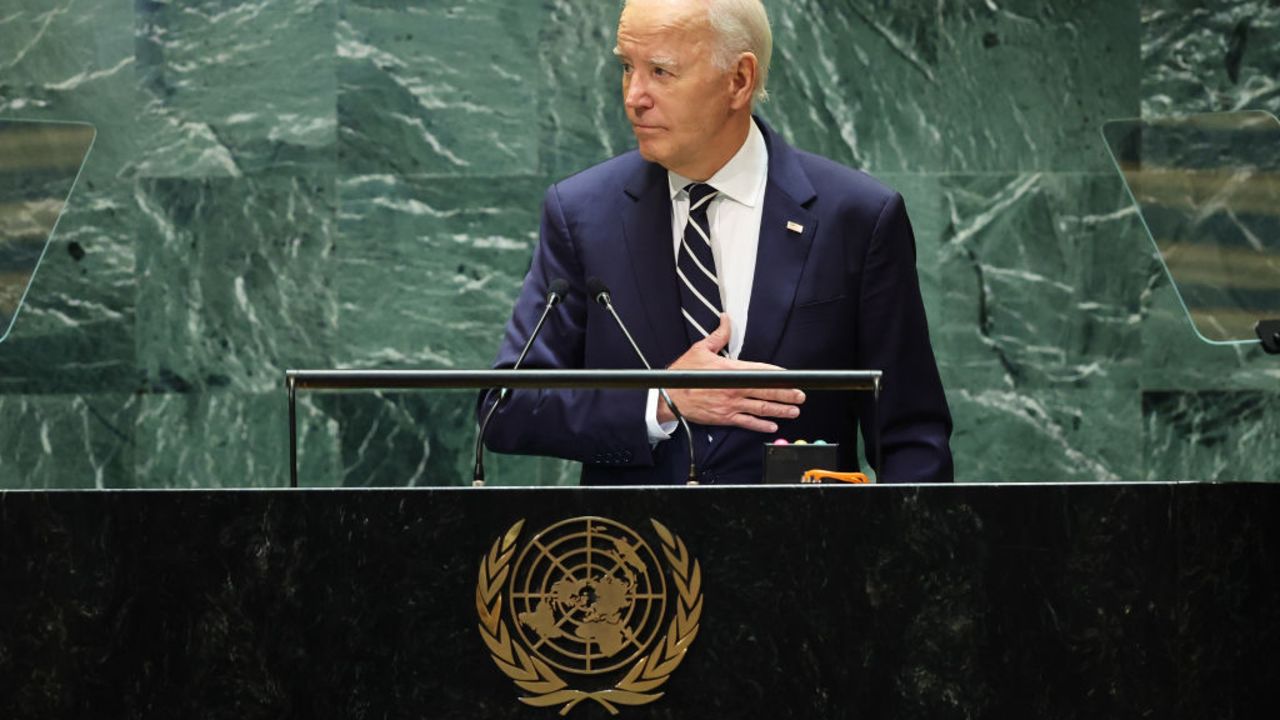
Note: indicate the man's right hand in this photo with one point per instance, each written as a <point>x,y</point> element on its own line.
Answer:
<point>741,407</point>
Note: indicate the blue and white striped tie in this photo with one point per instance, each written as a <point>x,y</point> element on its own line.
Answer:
<point>696,267</point>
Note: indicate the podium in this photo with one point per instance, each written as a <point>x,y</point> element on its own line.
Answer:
<point>1062,601</point>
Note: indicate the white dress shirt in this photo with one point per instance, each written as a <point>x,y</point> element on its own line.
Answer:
<point>734,216</point>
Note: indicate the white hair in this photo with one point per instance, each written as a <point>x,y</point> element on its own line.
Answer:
<point>740,26</point>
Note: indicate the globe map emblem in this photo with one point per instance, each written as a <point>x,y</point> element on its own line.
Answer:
<point>588,595</point>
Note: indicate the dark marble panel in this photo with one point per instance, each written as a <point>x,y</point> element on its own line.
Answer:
<point>67,441</point>
<point>1037,325</point>
<point>1228,577</point>
<point>422,439</point>
<point>428,269</point>
<point>1211,435</point>
<point>234,88</point>
<point>906,602</point>
<point>401,440</point>
<point>896,86</point>
<point>75,333</point>
<point>234,281</point>
<point>1042,279</point>
<point>1068,435</point>
<point>225,439</point>
<point>580,113</point>
<point>1210,56</point>
<point>74,61</point>
<point>1081,600</point>
<point>435,89</point>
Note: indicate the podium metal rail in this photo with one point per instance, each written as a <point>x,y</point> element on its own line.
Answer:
<point>336,380</point>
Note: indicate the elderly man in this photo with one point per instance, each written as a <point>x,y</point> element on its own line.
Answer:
<point>723,248</point>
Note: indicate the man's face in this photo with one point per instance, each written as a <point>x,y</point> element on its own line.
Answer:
<point>678,102</point>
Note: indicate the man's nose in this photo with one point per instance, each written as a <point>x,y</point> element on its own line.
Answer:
<point>636,94</point>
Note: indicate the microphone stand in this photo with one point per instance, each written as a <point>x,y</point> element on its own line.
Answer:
<point>477,476</point>
<point>604,299</point>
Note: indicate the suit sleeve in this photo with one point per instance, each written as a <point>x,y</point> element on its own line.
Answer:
<point>911,418</point>
<point>602,427</point>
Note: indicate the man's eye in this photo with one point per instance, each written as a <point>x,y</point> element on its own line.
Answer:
<point>626,68</point>
<point>660,72</point>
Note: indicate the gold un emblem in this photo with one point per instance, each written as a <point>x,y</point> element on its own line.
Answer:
<point>586,599</point>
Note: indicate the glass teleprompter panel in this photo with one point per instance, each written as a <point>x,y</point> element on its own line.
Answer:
<point>39,164</point>
<point>1208,190</point>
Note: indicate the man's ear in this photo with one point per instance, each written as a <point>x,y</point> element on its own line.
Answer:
<point>742,81</point>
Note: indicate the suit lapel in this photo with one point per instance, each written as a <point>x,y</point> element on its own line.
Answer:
<point>646,226</point>
<point>781,252</point>
<point>780,258</point>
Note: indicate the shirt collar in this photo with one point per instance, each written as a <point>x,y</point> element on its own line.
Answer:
<point>741,179</point>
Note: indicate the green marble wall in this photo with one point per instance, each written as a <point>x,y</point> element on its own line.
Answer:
<point>333,183</point>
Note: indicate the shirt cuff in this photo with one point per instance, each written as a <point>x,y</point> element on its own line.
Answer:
<point>657,432</point>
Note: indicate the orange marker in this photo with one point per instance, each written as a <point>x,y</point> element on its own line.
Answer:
<point>817,476</point>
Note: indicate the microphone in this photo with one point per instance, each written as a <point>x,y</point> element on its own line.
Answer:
<point>600,293</point>
<point>555,293</point>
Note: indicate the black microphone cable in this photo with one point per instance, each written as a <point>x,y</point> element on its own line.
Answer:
<point>600,293</point>
<point>555,293</point>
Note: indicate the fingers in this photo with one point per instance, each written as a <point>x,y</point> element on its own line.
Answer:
<point>719,338</point>
<point>734,408</point>
<point>789,396</point>
<point>766,409</point>
<point>753,423</point>
<point>757,414</point>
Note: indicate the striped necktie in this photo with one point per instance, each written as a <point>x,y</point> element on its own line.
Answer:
<point>696,266</point>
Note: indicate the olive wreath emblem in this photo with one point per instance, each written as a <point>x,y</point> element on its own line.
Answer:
<point>536,677</point>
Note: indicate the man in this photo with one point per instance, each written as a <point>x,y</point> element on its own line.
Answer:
<point>715,237</point>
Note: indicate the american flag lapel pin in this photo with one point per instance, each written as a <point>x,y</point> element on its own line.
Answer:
<point>795,227</point>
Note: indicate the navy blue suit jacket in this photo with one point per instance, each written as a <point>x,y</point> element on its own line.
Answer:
<point>842,294</point>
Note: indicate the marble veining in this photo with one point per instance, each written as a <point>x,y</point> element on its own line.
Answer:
<point>1083,601</point>
<point>355,183</point>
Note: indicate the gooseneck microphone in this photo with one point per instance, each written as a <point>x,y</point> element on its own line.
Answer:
<point>555,293</point>
<point>600,293</point>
